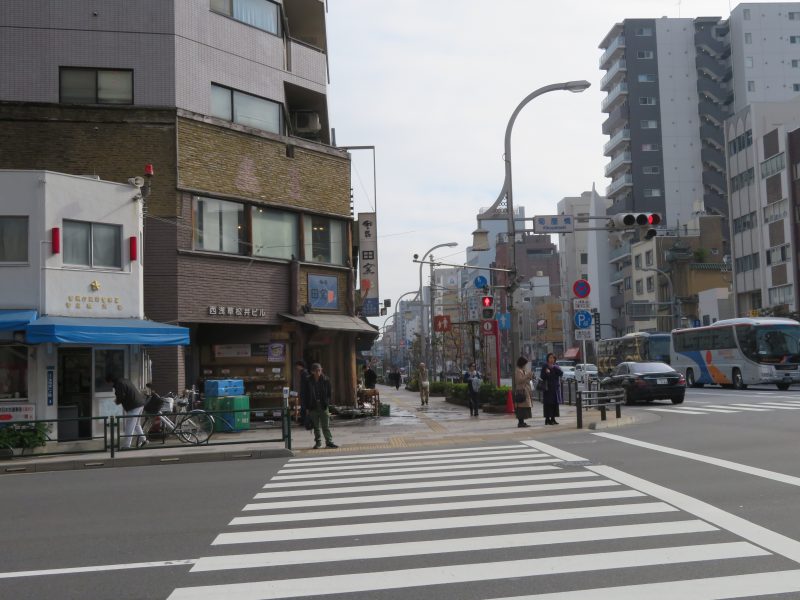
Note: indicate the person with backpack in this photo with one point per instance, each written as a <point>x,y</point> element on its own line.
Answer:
<point>474,383</point>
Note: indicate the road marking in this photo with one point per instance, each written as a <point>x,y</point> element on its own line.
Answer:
<point>675,411</point>
<point>740,408</point>
<point>519,455</point>
<point>727,464</point>
<point>405,578</point>
<point>774,406</point>
<point>335,458</point>
<point>783,405</point>
<point>505,518</point>
<point>471,544</point>
<point>302,494</point>
<point>376,511</point>
<point>98,568</point>
<point>710,588</point>
<point>459,493</point>
<point>553,451</point>
<point>398,476</point>
<point>350,459</point>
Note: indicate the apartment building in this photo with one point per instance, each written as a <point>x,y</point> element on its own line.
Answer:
<point>573,252</point>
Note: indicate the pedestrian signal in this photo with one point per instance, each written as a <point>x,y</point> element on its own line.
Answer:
<point>487,310</point>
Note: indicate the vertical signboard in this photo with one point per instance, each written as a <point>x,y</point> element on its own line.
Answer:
<point>368,264</point>
<point>50,385</point>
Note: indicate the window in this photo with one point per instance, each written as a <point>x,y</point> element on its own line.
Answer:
<point>781,295</point>
<point>741,142</point>
<point>794,16</point>
<point>648,124</point>
<point>647,78</point>
<point>650,147</point>
<point>637,261</point>
<point>742,180</point>
<point>794,39</point>
<point>744,223</point>
<point>746,14</point>
<point>644,54</point>
<point>274,233</point>
<point>648,258</point>
<point>14,367</point>
<point>748,38</point>
<point>13,239</point>
<point>258,13</point>
<point>748,61</point>
<point>779,254</point>
<point>644,31</point>
<point>652,193</point>
<point>773,165</point>
<point>246,109</point>
<point>747,263</point>
<point>647,101</point>
<point>95,86</point>
<point>627,281</point>
<point>639,287</point>
<point>107,362</point>
<point>650,284</point>
<point>96,245</point>
<point>584,258</point>
<point>796,87</point>
<point>651,170</point>
<point>751,86</point>
<point>219,226</point>
<point>324,240</point>
<point>776,211</point>
<point>795,63</point>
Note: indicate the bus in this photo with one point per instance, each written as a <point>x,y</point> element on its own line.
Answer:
<point>739,352</point>
<point>636,347</point>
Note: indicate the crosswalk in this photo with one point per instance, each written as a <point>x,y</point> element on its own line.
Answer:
<point>755,405</point>
<point>503,522</point>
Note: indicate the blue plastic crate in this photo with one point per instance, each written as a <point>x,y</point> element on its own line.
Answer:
<point>224,387</point>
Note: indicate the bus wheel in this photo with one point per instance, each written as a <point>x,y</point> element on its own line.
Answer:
<point>738,381</point>
<point>782,386</point>
<point>690,380</point>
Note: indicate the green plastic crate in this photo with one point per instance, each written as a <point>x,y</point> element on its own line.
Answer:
<point>231,421</point>
<point>231,413</point>
<point>385,410</point>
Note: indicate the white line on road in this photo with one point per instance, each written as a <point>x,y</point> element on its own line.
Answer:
<point>339,457</point>
<point>553,451</point>
<point>742,408</point>
<point>674,411</point>
<point>98,568</point>
<point>355,459</point>
<point>768,405</point>
<point>471,544</point>
<point>504,518</point>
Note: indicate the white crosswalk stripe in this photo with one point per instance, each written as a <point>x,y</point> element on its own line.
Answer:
<point>736,407</point>
<point>549,520</point>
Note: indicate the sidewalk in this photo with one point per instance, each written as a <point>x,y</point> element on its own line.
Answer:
<point>409,426</point>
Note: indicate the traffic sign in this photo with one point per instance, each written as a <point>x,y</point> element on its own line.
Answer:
<point>581,304</point>
<point>489,327</point>
<point>583,319</point>
<point>582,335</point>
<point>554,224</point>
<point>581,288</point>
<point>480,282</point>
<point>503,320</point>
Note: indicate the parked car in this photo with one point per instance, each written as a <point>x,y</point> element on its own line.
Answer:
<point>565,363</point>
<point>569,372</point>
<point>647,381</point>
<point>586,372</point>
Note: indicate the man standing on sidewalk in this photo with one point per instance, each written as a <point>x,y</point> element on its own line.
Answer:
<point>474,382</point>
<point>316,397</point>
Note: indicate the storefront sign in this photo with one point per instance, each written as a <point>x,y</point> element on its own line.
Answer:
<point>236,311</point>
<point>10,412</point>
<point>274,351</point>
<point>323,291</point>
<point>50,379</point>
<point>93,303</point>
<point>232,350</point>
<point>368,264</point>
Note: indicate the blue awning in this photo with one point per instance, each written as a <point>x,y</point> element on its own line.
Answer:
<point>16,319</point>
<point>85,330</point>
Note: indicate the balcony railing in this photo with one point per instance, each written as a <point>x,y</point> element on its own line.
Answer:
<point>617,45</point>
<point>618,184</point>
<point>616,118</point>
<point>616,93</point>
<point>308,62</point>
<point>623,135</point>
<point>618,161</point>
<point>618,68</point>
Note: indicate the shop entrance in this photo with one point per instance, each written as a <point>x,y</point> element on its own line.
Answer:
<point>74,393</point>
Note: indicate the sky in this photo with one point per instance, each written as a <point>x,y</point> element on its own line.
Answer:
<point>432,84</point>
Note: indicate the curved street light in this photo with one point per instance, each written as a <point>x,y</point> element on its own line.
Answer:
<point>422,298</point>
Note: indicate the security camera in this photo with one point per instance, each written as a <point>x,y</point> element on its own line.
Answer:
<point>136,181</point>
<point>416,256</point>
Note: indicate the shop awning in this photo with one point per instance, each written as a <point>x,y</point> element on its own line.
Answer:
<point>16,319</point>
<point>84,330</point>
<point>333,322</point>
<point>572,353</point>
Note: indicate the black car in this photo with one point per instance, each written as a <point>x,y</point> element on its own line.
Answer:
<point>647,381</point>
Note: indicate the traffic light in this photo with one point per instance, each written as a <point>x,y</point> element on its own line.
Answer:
<point>487,307</point>
<point>649,229</point>
<point>647,222</point>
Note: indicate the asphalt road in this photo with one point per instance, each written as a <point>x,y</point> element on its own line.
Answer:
<point>696,498</point>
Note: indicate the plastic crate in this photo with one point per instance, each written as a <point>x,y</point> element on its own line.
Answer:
<point>231,421</point>
<point>224,387</point>
<point>385,410</point>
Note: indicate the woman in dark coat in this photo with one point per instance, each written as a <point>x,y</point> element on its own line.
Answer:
<point>551,376</point>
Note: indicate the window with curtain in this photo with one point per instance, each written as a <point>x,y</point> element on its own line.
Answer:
<point>92,244</point>
<point>95,86</point>
<point>13,239</point>
<point>274,233</point>
<point>246,109</point>
<point>219,226</point>
<point>325,240</point>
<point>258,13</point>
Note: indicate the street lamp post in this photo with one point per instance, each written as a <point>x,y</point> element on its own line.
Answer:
<point>674,316</point>
<point>507,192</point>
<point>424,337</point>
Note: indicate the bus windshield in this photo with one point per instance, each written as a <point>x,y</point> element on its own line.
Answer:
<point>658,348</point>
<point>770,344</point>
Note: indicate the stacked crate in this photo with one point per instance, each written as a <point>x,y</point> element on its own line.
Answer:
<point>226,399</point>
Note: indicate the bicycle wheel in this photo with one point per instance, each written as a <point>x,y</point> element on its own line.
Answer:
<point>196,427</point>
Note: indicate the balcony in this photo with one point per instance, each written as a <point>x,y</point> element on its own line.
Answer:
<point>617,162</point>
<point>715,158</point>
<point>618,93</point>
<point>615,49</point>
<point>616,118</point>
<point>617,301</point>
<point>619,252</point>
<point>713,112</point>
<point>619,184</point>
<point>713,136</point>
<point>618,69</point>
<point>715,180</point>
<point>713,90</point>
<point>308,63</point>
<point>623,135</point>
<point>710,65</point>
<point>713,46</point>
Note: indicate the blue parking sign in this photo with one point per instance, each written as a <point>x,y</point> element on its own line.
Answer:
<point>583,319</point>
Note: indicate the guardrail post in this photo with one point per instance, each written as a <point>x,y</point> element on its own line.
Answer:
<point>602,410</point>
<point>286,424</point>
<point>579,407</point>
<point>619,409</point>
<point>113,427</point>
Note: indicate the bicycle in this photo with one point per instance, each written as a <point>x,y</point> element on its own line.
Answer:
<point>191,426</point>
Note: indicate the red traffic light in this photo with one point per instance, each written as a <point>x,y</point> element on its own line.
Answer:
<point>654,218</point>
<point>488,301</point>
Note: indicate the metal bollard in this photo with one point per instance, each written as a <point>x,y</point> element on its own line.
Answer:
<point>579,408</point>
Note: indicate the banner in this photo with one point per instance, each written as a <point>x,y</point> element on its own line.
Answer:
<point>368,264</point>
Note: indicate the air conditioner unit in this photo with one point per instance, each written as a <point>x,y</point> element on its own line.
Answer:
<point>306,121</point>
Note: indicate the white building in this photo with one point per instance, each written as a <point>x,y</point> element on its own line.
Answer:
<point>573,252</point>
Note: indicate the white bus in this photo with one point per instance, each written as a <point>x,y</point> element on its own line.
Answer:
<point>636,347</point>
<point>739,352</point>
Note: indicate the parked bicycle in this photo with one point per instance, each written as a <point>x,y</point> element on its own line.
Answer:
<point>191,426</point>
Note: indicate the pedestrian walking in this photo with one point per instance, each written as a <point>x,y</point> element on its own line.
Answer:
<point>551,383</point>
<point>397,378</point>
<point>522,392</point>
<point>370,377</point>
<point>132,401</point>
<point>316,397</point>
<point>424,384</point>
<point>474,382</point>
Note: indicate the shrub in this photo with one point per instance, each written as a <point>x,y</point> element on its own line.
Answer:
<point>24,436</point>
<point>412,385</point>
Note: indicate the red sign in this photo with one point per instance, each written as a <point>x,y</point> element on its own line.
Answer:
<point>442,324</point>
<point>581,288</point>
<point>489,327</point>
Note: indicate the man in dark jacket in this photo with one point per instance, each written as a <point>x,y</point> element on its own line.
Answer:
<point>132,401</point>
<point>370,377</point>
<point>316,397</point>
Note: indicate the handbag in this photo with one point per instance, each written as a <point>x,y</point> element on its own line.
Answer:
<point>519,397</point>
<point>541,385</point>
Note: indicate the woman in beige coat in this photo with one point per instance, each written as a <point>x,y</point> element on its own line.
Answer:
<point>522,392</point>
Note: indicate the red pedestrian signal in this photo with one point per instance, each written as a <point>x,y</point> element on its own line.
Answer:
<point>488,301</point>
<point>487,312</point>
